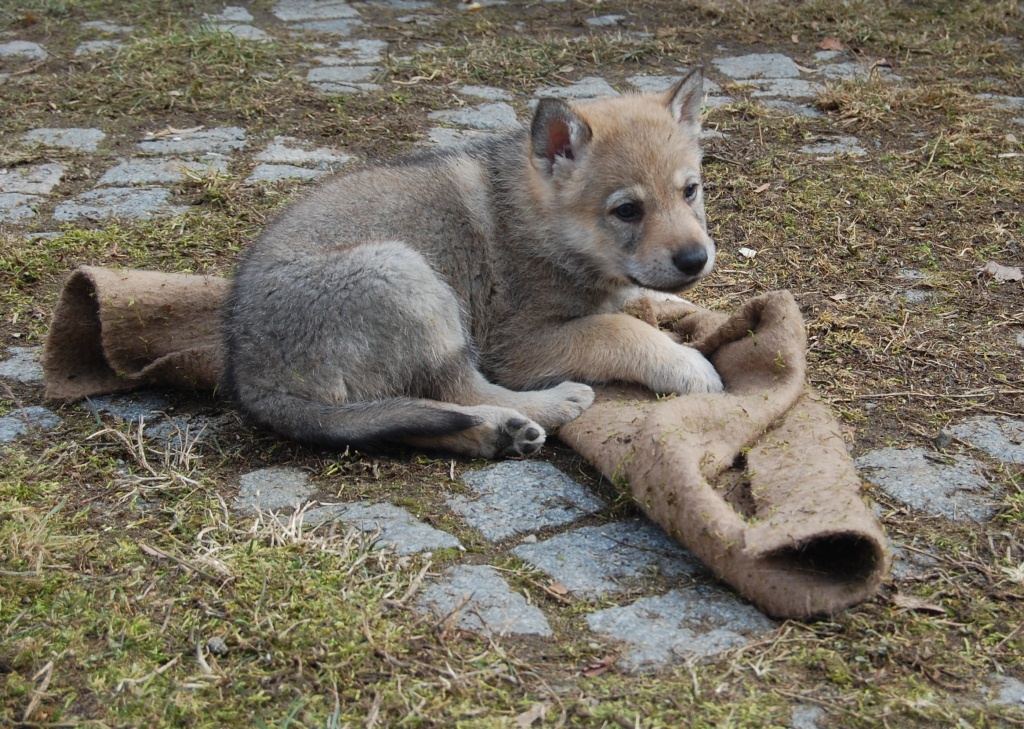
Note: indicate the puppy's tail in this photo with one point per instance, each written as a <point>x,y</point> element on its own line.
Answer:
<point>358,424</point>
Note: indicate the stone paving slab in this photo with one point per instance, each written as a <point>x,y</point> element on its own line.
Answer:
<point>521,497</point>
<point>589,87</point>
<point>129,408</point>
<point>445,137</point>
<point>277,173</point>
<point>21,421</point>
<point>118,202</point>
<point>475,597</point>
<point>489,117</point>
<point>757,65</point>
<point>361,52</point>
<point>103,26</point>
<point>272,489</point>
<point>397,528</point>
<point>219,140</point>
<point>595,560</point>
<point>291,151</point>
<point>835,146</point>
<point>679,625</point>
<point>343,79</point>
<point>22,365</point>
<point>154,171</point>
<point>997,435</point>
<point>488,93</point>
<point>15,206</point>
<point>19,49</point>
<point>300,10</point>
<point>953,489</point>
<point>91,47</point>
<point>76,138</point>
<point>32,180</point>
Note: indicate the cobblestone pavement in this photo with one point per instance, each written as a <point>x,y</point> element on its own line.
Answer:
<point>528,509</point>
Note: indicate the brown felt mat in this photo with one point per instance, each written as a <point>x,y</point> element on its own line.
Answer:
<point>756,481</point>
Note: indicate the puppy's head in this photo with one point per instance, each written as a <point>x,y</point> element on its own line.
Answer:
<point>620,180</point>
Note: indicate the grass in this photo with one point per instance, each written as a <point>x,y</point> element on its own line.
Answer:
<point>131,594</point>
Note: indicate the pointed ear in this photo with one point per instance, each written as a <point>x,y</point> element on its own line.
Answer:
<point>685,98</point>
<point>557,132</point>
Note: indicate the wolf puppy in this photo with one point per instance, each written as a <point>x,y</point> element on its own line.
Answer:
<point>429,301</point>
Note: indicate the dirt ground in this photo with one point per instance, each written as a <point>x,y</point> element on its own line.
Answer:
<point>885,253</point>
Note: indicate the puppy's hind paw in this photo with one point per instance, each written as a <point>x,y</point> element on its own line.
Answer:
<point>518,436</point>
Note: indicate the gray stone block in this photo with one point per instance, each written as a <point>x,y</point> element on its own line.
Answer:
<point>33,180</point>
<point>21,421</point>
<point>82,140</point>
<point>445,137</point>
<point>272,489</point>
<point>23,50</point>
<point>520,497</point>
<point>291,151</point>
<point>103,26</point>
<point>789,88</point>
<point>339,26</point>
<point>1008,692</point>
<point>343,79</point>
<point>118,202</point>
<point>488,93</point>
<point>758,65</point>
<point>837,145</point>
<point>219,140</point>
<point>495,116</point>
<point>589,87</point>
<point>277,173</point>
<point>807,716</point>
<point>15,206</point>
<point>679,625</point>
<point>954,489</point>
<point>296,10</point>
<point>476,598</point>
<point>159,171</point>
<point>86,48</point>
<point>244,31</point>
<point>997,435</point>
<point>605,21</point>
<point>397,528</point>
<point>129,408</point>
<point>22,365</point>
<point>595,560</point>
<point>231,14</point>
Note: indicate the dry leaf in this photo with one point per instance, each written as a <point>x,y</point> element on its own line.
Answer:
<point>795,38</point>
<point>747,252</point>
<point>602,666</point>
<point>762,188</point>
<point>532,715</point>
<point>839,297</point>
<point>558,588</point>
<point>909,602</point>
<point>832,44</point>
<point>1002,273</point>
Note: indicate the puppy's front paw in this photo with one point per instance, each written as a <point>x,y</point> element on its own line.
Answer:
<point>706,378</point>
<point>689,372</point>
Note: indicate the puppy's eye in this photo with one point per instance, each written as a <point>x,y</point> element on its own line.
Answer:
<point>690,191</point>
<point>629,212</point>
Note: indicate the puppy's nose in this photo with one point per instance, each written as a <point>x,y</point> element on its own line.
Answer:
<point>691,260</point>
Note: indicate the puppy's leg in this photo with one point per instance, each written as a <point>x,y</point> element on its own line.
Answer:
<point>608,347</point>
